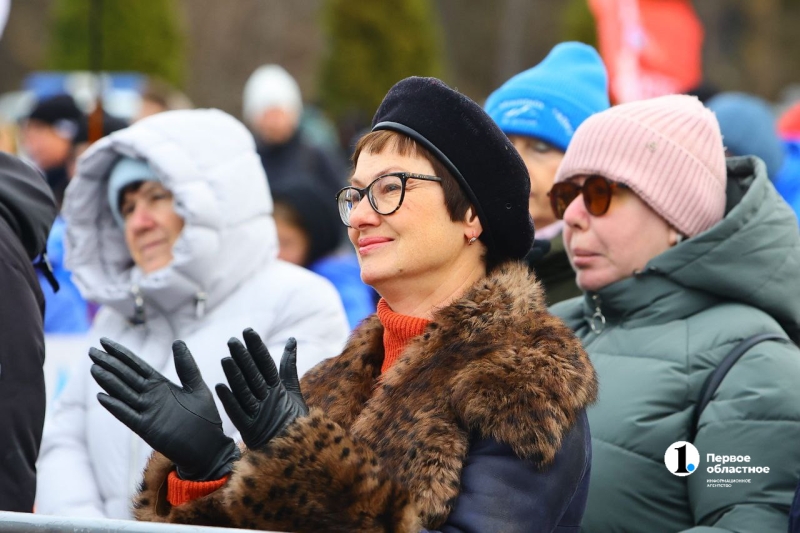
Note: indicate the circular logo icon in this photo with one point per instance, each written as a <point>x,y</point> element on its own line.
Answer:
<point>682,458</point>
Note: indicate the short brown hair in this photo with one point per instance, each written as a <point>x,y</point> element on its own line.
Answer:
<point>376,142</point>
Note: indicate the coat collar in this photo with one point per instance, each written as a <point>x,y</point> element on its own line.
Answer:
<point>495,364</point>
<point>495,351</point>
<point>645,298</point>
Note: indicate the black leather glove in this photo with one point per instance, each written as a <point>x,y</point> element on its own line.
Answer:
<point>180,422</point>
<point>263,402</point>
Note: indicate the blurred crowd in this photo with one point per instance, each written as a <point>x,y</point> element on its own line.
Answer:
<point>666,236</point>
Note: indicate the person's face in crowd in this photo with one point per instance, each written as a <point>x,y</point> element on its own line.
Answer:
<point>276,125</point>
<point>151,225</point>
<point>292,240</point>
<point>542,161</point>
<point>44,145</point>
<point>607,248</point>
<point>417,244</point>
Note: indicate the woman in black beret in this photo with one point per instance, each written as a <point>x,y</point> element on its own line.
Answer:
<point>459,406</point>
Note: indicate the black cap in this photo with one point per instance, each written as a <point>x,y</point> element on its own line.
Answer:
<point>459,133</point>
<point>61,112</point>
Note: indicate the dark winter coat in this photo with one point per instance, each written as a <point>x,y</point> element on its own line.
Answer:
<point>298,162</point>
<point>479,426</point>
<point>27,211</point>
<point>554,272</point>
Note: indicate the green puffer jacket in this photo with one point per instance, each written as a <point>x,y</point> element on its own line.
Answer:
<point>665,329</point>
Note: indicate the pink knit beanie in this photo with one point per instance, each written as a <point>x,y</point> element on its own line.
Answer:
<point>668,150</point>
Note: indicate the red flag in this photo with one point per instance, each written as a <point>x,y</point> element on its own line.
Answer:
<point>650,47</point>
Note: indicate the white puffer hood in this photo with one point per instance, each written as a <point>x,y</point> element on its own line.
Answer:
<point>209,162</point>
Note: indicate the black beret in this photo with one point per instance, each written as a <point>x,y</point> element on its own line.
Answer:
<point>467,141</point>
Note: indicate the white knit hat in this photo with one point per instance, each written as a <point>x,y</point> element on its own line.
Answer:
<point>668,150</point>
<point>270,86</point>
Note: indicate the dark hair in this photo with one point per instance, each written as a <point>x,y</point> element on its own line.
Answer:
<point>376,142</point>
<point>312,211</point>
<point>129,188</point>
<point>134,187</point>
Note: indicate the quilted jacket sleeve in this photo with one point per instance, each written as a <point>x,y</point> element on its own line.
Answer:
<point>500,492</point>
<point>311,312</point>
<point>757,407</point>
<point>66,481</point>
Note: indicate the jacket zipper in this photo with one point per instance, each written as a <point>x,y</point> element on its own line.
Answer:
<point>139,318</point>
<point>200,304</point>
<point>598,320</point>
<point>138,306</point>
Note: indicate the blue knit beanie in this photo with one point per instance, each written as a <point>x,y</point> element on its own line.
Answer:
<point>748,128</point>
<point>550,100</point>
<point>125,172</point>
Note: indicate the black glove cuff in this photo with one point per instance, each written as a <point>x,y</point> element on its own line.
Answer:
<point>219,468</point>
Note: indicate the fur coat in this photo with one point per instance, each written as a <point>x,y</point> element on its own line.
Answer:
<point>493,371</point>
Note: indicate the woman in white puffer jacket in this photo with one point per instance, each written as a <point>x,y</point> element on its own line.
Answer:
<point>223,276</point>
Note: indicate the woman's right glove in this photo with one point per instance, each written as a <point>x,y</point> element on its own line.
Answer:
<point>263,402</point>
<point>180,422</point>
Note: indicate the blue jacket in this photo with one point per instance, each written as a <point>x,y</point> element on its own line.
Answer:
<point>65,311</point>
<point>788,179</point>
<point>344,272</point>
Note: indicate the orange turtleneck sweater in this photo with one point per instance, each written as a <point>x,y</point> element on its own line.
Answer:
<point>398,330</point>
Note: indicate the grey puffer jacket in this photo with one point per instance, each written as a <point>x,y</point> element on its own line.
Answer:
<point>665,330</point>
<point>225,276</point>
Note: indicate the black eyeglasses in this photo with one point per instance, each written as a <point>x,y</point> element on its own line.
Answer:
<point>596,191</point>
<point>385,194</point>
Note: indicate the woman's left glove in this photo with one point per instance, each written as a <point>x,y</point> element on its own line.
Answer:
<point>264,401</point>
<point>180,422</point>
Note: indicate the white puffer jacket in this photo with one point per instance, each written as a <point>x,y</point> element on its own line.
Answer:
<point>224,277</point>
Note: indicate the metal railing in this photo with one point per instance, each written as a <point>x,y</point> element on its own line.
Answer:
<point>34,523</point>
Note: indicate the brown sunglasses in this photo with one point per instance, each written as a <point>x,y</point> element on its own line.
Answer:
<point>596,191</point>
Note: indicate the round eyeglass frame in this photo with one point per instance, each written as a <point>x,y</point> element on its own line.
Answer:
<point>367,192</point>
<point>589,184</point>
